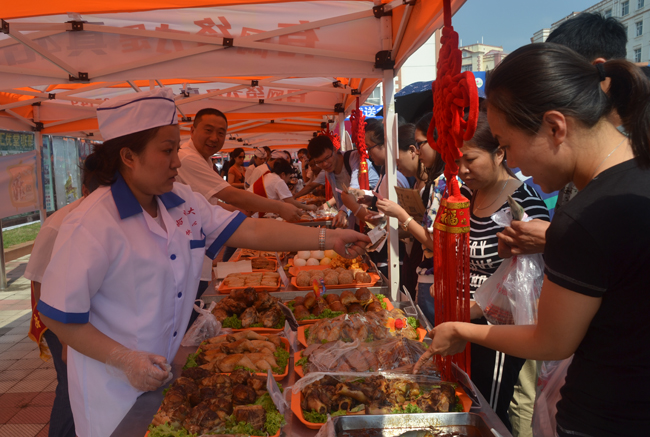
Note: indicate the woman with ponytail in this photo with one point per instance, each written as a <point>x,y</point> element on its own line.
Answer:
<point>555,115</point>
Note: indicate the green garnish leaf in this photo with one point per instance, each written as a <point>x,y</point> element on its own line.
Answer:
<point>415,323</point>
<point>282,358</point>
<point>307,333</point>
<point>232,322</point>
<point>166,430</point>
<point>191,360</point>
<point>380,298</point>
<point>302,361</point>
<point>314,417</point>
<point>291,305</point>
<point>326,314</point>
<point>339,413</point>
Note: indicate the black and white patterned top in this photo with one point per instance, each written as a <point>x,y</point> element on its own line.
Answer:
<point>483,241</point>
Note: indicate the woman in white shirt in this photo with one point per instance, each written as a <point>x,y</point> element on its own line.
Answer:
<point>126,264</point>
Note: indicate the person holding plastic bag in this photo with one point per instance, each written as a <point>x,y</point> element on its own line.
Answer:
<point>126,264</point>
<point>551,110</point>
<point>487,184</point>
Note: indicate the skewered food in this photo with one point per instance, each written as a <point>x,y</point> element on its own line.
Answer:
<point>376,394</point>
<point>333,305</point>
<point>249,309</point>
<point>397,355</point>
<point>220,404</point>
<point>369,326</point>
<point>246,349</point>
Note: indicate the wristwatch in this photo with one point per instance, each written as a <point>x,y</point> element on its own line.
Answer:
<point>405,225</point>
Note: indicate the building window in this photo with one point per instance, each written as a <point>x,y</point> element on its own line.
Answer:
<point>640,4</point>
<point>625,31</point>
<point>625,8</point>
<point>608,13</point>
<point>637,55</point>
<point>639,28</point>
<point>467,67</point>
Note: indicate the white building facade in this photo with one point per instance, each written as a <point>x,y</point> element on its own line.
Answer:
<point>633,14</point>
<point>481,57</point>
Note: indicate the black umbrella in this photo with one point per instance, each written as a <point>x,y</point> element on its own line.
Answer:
<point>413,101</point>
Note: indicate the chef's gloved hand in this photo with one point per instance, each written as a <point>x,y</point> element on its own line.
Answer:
<point>145,371</point>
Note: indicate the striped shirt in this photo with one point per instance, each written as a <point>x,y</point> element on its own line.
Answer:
<point>483,241</point>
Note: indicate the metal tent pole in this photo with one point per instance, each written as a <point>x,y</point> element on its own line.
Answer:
<point>390,135</point>
<point>3,271</point>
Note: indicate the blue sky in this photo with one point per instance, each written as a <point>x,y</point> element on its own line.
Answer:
<point>510,23</point>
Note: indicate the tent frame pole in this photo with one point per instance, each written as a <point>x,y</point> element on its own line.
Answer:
<point>390,135</point>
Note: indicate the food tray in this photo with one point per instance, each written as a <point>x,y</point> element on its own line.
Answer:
<point>374,278</point>
<point>223,289</point>
<point>259,330</point>
<point>293,270</point>
<point>246,254</point>
<point>277,434</point>
<point>303,340</point>
<point>394,425</point>
<point>389,307</point>
<point>296,401</point>
<point>280,377</point>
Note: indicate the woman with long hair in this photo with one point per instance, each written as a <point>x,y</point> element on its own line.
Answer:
<point>556,116</point>
<point>236,172</point>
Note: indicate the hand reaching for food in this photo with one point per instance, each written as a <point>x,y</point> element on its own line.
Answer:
<point>348,243</point>
<point>445,341</point>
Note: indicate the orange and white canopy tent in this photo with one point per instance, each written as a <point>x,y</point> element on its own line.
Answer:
<point>59,59</point>
<point>273,67</point>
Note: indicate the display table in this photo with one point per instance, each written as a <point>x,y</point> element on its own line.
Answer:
<point>137,420</point>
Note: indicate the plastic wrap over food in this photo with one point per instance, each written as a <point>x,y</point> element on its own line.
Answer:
<point>376,325</point>
<point>374,393</point>
<point>395,354</point>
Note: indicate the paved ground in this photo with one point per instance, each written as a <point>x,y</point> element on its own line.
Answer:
<point>26,382</point>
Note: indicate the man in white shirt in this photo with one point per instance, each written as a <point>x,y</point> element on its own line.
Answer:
<point>208,136</point>
<point>265,168</point>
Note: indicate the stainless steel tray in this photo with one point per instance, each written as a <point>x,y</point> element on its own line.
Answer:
<point>394,425</point>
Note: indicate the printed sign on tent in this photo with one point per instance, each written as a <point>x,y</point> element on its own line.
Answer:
<point>18,189</point>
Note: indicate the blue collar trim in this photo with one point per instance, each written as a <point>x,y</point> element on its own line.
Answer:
<point>126,203</point>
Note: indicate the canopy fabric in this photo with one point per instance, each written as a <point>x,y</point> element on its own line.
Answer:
<point>273,67</point>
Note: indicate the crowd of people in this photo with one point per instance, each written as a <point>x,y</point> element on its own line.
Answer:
<point>570,112</point>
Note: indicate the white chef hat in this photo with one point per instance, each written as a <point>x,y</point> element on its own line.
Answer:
<point>278,154</point>
<point>259,152</point>
<point>133,113</point>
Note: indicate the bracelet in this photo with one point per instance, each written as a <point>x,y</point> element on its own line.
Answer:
<point>328,204</point>
<point>405,225</point>
<point>357,211</point>
<point>321,239</point>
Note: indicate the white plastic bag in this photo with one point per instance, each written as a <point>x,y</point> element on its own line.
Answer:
<point>551,379</point>
<point>510,295</point>
<point>204,327</point>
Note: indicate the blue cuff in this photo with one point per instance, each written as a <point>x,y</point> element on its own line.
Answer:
<point>234,224</point>
<point>60,316</point>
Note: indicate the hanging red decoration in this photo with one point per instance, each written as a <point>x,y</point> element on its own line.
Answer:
<point>334,137</point>
<point>453,92</point>
<point>358,121</point>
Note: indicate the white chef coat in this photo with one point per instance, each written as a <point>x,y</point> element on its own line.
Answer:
<point>115,267</point>
<point>258,172</point>
<point>275,187</point>
<point>196,171</point>
<point>249,173</point>
<point>44,244</point>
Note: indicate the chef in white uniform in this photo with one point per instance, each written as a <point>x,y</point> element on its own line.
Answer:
<point>126,264</point>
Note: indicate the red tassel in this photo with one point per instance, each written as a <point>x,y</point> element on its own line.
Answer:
<point>452,93</point>
<point>358,121</point>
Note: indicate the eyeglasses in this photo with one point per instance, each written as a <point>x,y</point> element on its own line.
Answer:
<point>320,161</point>
<point>419,144</point>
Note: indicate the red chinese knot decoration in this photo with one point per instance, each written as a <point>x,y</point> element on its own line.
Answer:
<point>453,91</point>
<point>358,121</point>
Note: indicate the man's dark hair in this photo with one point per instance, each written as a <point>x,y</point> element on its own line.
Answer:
<point>303,152</point>
<point>268,151</point>
<point>319,145</point>
<point>282,166</point>
<point>208,111</point>
<point>592,36</point>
